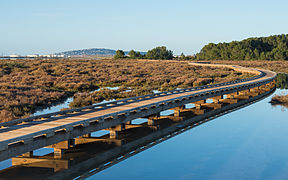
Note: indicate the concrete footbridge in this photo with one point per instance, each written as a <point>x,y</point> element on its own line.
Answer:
<point>67,130</point>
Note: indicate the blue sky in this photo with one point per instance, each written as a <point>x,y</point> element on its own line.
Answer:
<point>33,26</point>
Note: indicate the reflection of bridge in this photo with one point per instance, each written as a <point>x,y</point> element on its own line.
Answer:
<point>68,132</point>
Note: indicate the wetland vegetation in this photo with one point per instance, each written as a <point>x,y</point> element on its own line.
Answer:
<point>27,85</point>
<point>280,100</point>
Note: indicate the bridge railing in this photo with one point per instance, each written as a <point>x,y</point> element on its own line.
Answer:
<point>107,105</point>
<point>101,119</point>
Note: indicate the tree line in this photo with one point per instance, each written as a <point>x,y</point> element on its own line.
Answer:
<point>160,52</point>
<point>263,48</point>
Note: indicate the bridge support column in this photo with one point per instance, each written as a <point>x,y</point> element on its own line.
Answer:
<point>113,134</point>
<point>244,92</point>
<point>86,135</point>
<point>232,95</point>
<point>178,110</point>
<point>198,111</point>
<point>267,87</point>
<point>216,99</point>
<point>114,130</point>
<point>59,153</point>
<point>28,154</point>
<point>229,101</point>
<point>242,97</point>
<point>81,140</point>
<point>152,118</point>
<point>253,94</point>
<point>212,105</point>
<point>257,90</point>
<point>199,103</point>
<point>43,162</point>
<point>59,148</point>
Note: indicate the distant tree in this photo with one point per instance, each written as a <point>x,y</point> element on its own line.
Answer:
<point>182,56</point>
<point>159,53</point>
<point>119,54</point>
<point>132,54</point>
<point>135,55</point>
<point>139,55</point>
<point>282,81</point>
<point>265,48</point>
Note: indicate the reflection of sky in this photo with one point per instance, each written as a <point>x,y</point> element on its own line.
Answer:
<point>54,108</point>
<point>250,143</point>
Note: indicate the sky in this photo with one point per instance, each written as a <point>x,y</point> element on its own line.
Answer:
<point>42,27</point>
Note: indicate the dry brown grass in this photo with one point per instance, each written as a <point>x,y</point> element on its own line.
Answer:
<point>280,100</point>
<point>28,84</point>
<point>277,66</point>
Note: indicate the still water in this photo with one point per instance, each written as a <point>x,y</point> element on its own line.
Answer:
<point>250,143</point>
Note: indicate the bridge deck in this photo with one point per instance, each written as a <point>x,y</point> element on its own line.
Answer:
<point>27,128</point>
<point>27,131</point>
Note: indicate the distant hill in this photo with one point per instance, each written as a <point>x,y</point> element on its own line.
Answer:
<point>92,52</point>
<point>263,48</point>
<point>89,52</point>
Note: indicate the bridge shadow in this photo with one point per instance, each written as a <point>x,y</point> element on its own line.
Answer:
<point>91,155</point>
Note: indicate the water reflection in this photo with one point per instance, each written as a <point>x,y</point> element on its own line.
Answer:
<point>282,81</point>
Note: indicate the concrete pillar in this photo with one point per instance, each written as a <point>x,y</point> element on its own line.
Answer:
<point>213,105</point>
<point>253,94</point>
<point>217,98</point>
<point>63,145</point>
<point>59,148</point>
<point>199,103</point>
<point>229,101</point>
<point>113,134</point>
<point>255,89</point>
<point>178,110</point>
<point>59,153</point>
<point>198,111</point>
<point>28,154</point>
<point>232,95</point>
<point>242,97</point>
<point>244,92</point>
<point>86,135</point>
<point>152,118</point>
<point>114,130</point>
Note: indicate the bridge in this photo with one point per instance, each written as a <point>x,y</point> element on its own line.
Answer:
<point>65,130</point>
